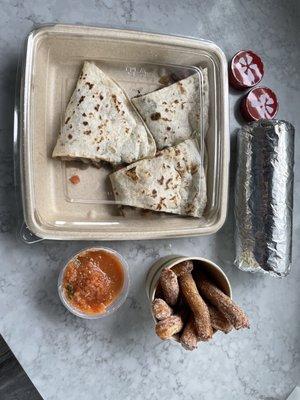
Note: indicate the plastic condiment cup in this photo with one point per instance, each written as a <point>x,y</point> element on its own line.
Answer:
<point>111,308</point>
<point>259,103</point>
<point>246,70</point>
<point>214,272</point>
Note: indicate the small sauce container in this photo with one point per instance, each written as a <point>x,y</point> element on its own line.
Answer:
<point>246,70</point>
<point>259,103</point>
<point>94,283</point>
<point>213,271</point>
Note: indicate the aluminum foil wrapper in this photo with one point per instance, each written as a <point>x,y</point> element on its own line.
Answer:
<point>264,197</point>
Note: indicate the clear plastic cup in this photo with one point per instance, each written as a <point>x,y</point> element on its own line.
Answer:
<point>111,308</point>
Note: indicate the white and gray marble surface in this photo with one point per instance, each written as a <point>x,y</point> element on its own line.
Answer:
<point>120,357</point>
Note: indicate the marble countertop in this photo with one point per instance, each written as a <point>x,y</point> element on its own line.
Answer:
<point>120,357</point>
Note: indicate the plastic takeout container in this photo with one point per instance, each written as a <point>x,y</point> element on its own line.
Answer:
<point>55,209</point>
<point>114,305</point>
<point>213,271</point>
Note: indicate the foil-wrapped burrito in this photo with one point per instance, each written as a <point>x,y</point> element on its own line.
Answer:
<point>264,197</point>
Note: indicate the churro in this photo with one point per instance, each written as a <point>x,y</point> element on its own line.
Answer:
<point>223,303</point>
<point>218,320</point>
<point>161,309</point>
<point>198,307</point>
<point>168,327</point>
<point>169,285</point>
<point>183,268</point>
<point>188,338</point>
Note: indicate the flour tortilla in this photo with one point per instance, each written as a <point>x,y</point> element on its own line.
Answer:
<point>101,124</point>
<point>173,113</point>
<point>173,182</point>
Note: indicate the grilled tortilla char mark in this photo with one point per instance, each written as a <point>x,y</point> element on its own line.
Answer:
<point>80,100</point>
<point>131,173</point>
<point>155,116</point>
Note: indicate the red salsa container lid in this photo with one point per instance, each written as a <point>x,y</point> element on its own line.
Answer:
<point>246,69</point>
<point>260,102</point>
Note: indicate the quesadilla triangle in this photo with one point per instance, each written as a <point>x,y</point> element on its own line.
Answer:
<point>173,113</point>
<point>101,124</point>
<point>173,182</point>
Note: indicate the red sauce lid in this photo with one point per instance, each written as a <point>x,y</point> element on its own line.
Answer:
<point>259,103</point>
<point>246,69</point>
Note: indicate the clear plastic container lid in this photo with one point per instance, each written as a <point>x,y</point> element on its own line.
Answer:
<point>54,208</point>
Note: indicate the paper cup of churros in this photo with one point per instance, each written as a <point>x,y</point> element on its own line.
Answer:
<point>191,299</point>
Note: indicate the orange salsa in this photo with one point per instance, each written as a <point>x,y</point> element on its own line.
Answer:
<point>93,280</point>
